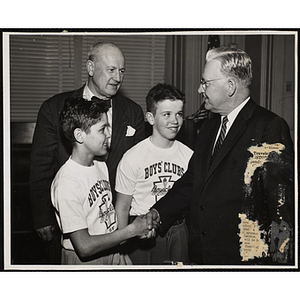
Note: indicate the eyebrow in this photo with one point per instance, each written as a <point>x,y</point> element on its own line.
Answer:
<point>103,127</point>
<point>114,67</point>
<point>164,111</point>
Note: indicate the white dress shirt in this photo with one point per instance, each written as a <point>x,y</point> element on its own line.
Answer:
<point>87,94</point>
<point>231,117</point>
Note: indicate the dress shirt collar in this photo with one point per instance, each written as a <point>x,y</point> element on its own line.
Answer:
<point>88,94</point>
<point>233,114</point>
<point>231,117</point>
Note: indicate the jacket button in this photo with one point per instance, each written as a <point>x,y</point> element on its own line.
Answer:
<point>201,207</point>
<point>203,233</point>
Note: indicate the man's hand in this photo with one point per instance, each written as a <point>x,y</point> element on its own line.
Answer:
<point>46,233</point>
<point>153,219</point>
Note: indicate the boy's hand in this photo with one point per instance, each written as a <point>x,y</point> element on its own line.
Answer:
<point>141,227</point>
<point>153,222</point>
<point>151,233</point>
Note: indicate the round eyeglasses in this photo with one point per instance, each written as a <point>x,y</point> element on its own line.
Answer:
<point>205,83</point>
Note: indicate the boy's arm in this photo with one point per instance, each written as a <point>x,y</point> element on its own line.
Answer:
<point>123,203</point>
<point>87,245</point>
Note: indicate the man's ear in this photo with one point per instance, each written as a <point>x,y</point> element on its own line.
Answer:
<point>232,87</point>
<point>150,118</point>
<point>78,135</point>
<point>90,67</point>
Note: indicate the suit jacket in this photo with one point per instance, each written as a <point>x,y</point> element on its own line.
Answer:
<point>240,192</point>
<point>50,148</point>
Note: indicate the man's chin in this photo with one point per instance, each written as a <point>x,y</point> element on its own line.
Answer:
<point>208,106</point>
<point>113,90</point>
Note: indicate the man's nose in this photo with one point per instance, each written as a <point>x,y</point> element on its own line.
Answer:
<point>117,76</point>
<point>200,89</point>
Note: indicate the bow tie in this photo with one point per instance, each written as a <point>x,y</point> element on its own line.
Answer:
<point>108,101</point>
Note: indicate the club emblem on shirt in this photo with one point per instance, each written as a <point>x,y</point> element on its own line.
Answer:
<point>107,213</point>
<point>161,187</point>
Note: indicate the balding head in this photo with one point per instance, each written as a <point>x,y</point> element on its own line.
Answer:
<point>105,67</point>
<point>103,47</point>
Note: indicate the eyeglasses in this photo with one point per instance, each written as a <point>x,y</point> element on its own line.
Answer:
<point>205,83</point>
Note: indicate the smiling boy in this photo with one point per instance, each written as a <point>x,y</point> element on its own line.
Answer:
<point>147,172</point>
<point>81,192</point>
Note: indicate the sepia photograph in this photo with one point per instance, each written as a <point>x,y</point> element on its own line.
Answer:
<point>150,150</point>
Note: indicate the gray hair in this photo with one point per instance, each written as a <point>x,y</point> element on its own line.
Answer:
<point>234,62</point>
<point>97,47</point>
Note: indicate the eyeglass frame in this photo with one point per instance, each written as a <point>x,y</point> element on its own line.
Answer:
<point>204,83</point>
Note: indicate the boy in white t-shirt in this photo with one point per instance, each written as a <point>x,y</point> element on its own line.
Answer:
<point>81,192</point>
<point>148,170</point>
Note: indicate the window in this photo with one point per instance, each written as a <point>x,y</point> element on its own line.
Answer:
<point>44,65</point>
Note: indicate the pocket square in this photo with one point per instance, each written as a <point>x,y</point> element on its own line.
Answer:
<point>130,131</point>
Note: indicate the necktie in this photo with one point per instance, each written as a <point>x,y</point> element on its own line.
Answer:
<point>220,139</point>
<point>94,98</point>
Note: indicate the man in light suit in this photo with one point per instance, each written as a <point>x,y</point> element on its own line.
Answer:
<point>239,191</point>
<point>50,150</point>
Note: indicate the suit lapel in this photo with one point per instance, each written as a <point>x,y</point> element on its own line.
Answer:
<point>235,132</point>
<point>119,122</point>
<point>79,92</point>
<point>209,142</point>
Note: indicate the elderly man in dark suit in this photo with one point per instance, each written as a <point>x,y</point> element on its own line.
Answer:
<point>105,67</point>
<point>239,185</point>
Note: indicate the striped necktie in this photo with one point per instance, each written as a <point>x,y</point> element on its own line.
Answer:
<point>220,139</point>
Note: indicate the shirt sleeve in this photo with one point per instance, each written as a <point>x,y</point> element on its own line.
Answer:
<point>69,205</point>
<point>127,174</point>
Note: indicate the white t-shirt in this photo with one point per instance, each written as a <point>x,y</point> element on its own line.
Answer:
<point>148,172</point>
<point>82,198</point>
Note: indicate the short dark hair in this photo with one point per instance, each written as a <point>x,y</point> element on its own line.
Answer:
<point>161,92</point>
<point>80,113</point>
